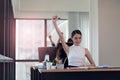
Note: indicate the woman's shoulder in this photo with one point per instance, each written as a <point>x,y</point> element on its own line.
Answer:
<point>86,49</point>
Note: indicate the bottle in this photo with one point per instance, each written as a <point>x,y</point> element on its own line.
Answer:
<point>46,58</point>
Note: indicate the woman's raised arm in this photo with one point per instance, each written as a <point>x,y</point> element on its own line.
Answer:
<point>65,46</point>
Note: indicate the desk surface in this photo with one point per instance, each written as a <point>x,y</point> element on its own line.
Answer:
<point>76,74</point>
<point>81,70</point>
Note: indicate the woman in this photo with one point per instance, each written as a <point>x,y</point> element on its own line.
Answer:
<point>75,53</point>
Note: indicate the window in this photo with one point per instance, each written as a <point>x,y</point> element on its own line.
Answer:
<point>63,26</point>
<point>30,34</point>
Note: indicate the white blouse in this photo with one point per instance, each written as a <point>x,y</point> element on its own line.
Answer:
<point>76,56</point>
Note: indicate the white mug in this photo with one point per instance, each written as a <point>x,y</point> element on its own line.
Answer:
<point>48,65</point>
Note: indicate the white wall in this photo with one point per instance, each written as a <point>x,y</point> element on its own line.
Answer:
<point>94,38</point>
<point>109,30</point>
<point>47,8</point>
<point>54,5</point>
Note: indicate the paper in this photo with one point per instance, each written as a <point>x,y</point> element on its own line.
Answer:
<point>5,59</point>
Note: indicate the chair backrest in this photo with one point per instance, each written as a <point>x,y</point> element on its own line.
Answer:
<point>51,51</point>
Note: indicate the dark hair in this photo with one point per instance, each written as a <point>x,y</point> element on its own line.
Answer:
<point>59,45</point>
<point>69,40</point>
<point>76,32</point>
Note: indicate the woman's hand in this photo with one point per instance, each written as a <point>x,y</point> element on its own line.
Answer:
<point>50,36</point>
<point>55,18</point>
<point>91,66</point>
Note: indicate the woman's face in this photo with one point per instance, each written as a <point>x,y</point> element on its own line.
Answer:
<point>77,39</point>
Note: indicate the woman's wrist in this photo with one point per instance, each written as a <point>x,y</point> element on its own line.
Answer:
<point>91,65</point>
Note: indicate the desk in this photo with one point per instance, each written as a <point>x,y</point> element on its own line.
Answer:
<point>79,74</point>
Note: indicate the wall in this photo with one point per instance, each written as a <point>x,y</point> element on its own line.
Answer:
<point>93,16</point>
<point>53,5</point>
<point>7,40</point>
<point>1,36</point>
<point>47,8</point>
<point>109,30</point>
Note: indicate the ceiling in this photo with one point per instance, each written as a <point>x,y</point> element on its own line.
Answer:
<point>47,8</point>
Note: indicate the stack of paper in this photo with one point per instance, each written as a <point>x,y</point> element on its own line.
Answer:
<point>5,59</point>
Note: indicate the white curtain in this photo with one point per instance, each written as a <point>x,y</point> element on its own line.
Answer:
<point>80,20</point>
